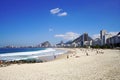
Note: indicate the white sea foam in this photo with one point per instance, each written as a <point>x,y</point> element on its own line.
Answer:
<point>28,53</point>
<point>31,54</point>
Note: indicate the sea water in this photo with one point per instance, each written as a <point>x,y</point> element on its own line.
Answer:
<point>11,54</point>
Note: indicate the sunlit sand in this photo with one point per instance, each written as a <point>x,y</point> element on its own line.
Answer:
<point>77,65</point>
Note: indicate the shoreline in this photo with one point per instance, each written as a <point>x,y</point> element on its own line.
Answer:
<point>70,53</point>
<point>17,56</point>
<point>39,59</point>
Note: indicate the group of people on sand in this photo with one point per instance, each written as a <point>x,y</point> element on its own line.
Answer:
<point>99,52</point>
<point>70,54</point>
<point>85,51</point>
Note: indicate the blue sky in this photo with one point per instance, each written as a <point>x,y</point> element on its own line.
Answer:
<point>30,22</point>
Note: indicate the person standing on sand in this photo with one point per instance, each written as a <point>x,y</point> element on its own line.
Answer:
<point>67,56</point>
<point>54,55</point>
<point>1,62</point>
<point>87,53</point>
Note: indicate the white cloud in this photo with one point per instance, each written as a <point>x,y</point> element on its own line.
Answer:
<point>58,12</point>
<point>68,35</point>
<point>50,29</point>
<point>113,33</point>
<point>62,14</point>
<point>98,35</point>
<point>55,11</point>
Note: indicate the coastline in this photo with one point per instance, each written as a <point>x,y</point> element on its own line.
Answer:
<point>38,54</point>
<point>79,66</point>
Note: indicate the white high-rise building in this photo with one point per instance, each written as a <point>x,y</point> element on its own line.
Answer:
<point>106,37</point>
<point>102,36</point>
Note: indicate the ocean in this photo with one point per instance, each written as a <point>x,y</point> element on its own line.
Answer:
<point>11,54</point>
<point>12,50</point>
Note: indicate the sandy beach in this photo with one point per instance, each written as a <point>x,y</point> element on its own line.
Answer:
<point>79,64</point>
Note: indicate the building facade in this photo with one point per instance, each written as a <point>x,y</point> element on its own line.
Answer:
<point>102,36</point>
<point>114,40</point>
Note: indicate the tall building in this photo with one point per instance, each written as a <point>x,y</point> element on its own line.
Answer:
<point>85,36</point>
<point>106,37</point>
<point>114,40</point>
<point>102,36</point>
